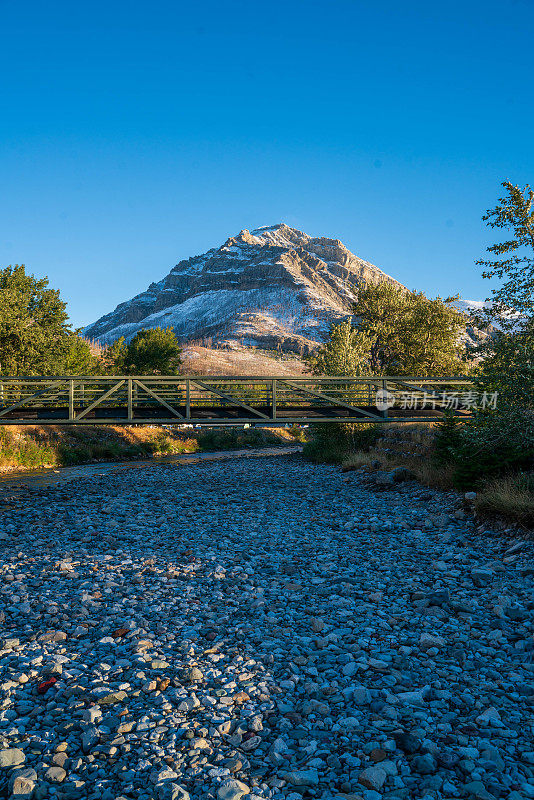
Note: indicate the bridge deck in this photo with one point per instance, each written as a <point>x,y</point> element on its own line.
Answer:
<point>220,400</point>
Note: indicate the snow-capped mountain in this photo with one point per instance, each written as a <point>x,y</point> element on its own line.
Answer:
<point>274,287</point>
<point>470,306</point>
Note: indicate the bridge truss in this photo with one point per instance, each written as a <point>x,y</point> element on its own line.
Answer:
<point>226,400</point>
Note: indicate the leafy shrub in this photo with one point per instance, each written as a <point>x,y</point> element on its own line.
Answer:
<point>235,439</point>
<point>332,442</point>
<point>159,444</point>
<point>70,456</point>
<point>508,366</point>
<point>492,444</point>
<point>21,452</point>
<point>32,455</point>
<point>447,438</point>
<point>298,433</point>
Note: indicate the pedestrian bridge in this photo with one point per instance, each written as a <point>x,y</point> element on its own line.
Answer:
<point>233,400</point>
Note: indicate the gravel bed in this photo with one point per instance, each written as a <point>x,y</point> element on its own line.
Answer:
<point>260,629</point>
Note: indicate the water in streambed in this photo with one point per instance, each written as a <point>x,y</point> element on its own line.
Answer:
<point>52,475</point>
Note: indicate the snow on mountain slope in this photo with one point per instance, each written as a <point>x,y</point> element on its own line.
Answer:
<point>468,306</point>
<point>274,287</point>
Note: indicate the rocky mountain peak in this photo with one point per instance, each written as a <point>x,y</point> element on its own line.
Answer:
<point>272,287</point>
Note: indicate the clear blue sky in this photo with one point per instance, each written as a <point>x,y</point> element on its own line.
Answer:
<point>134,134</point>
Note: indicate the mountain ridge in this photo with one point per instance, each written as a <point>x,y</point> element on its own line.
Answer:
<point>272,287</point>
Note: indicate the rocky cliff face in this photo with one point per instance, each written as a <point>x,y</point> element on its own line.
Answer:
<point>274,287</point>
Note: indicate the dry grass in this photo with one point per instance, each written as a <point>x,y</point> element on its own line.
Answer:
<point>359,460</point>
<point>427,472</point>
<point>201,360</point>
<point>510,497</point>
<point>437,476</point>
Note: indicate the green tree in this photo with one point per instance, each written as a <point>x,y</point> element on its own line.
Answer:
<point>409,333</point>
<point>508,367</point>
<point>35,336</point>
<point>345,353</point>
<point>507,364</point>
<point>78,358</point>
<point>113,359</point>
<point>497,441</point>
<point>154,351</point>
<point>396,332</point>
<point>512,260</point>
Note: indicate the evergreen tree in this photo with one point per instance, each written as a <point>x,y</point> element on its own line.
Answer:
<point>113,358</point>
<point>154,351</point>
<point>78,358</point>
<point>345,353</point>
<point>35,336</point>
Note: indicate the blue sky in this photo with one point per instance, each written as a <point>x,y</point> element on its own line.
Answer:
<point>134,134</point>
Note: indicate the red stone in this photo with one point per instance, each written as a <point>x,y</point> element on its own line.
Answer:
<point>46,685</point>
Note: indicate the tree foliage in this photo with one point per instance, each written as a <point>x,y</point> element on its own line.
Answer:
<point>507,364</point>
<point>508,367</point>
<point>410,334</point>
<point>78,358</point>
<point>112,359</point>
<point>495,442</point>
<point>512,259</point>
<point>35,336</point>
<point>396,332</point>
<point>345,353</point>
<point>154,351</point>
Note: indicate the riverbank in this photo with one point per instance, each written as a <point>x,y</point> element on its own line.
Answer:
<point>30,447</point>
<point>51,476</point>
<point>381,454</point>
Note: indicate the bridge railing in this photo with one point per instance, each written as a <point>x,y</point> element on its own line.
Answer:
<point>218,399</point>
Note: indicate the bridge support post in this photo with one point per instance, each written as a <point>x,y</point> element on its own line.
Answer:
<point>187,398</point>
<point>384,412</point>
<point>273,398</point>
<point>130,400</point>
<point>71,400</point>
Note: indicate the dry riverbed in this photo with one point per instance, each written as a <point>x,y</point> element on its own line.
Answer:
<point>260,628</point>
